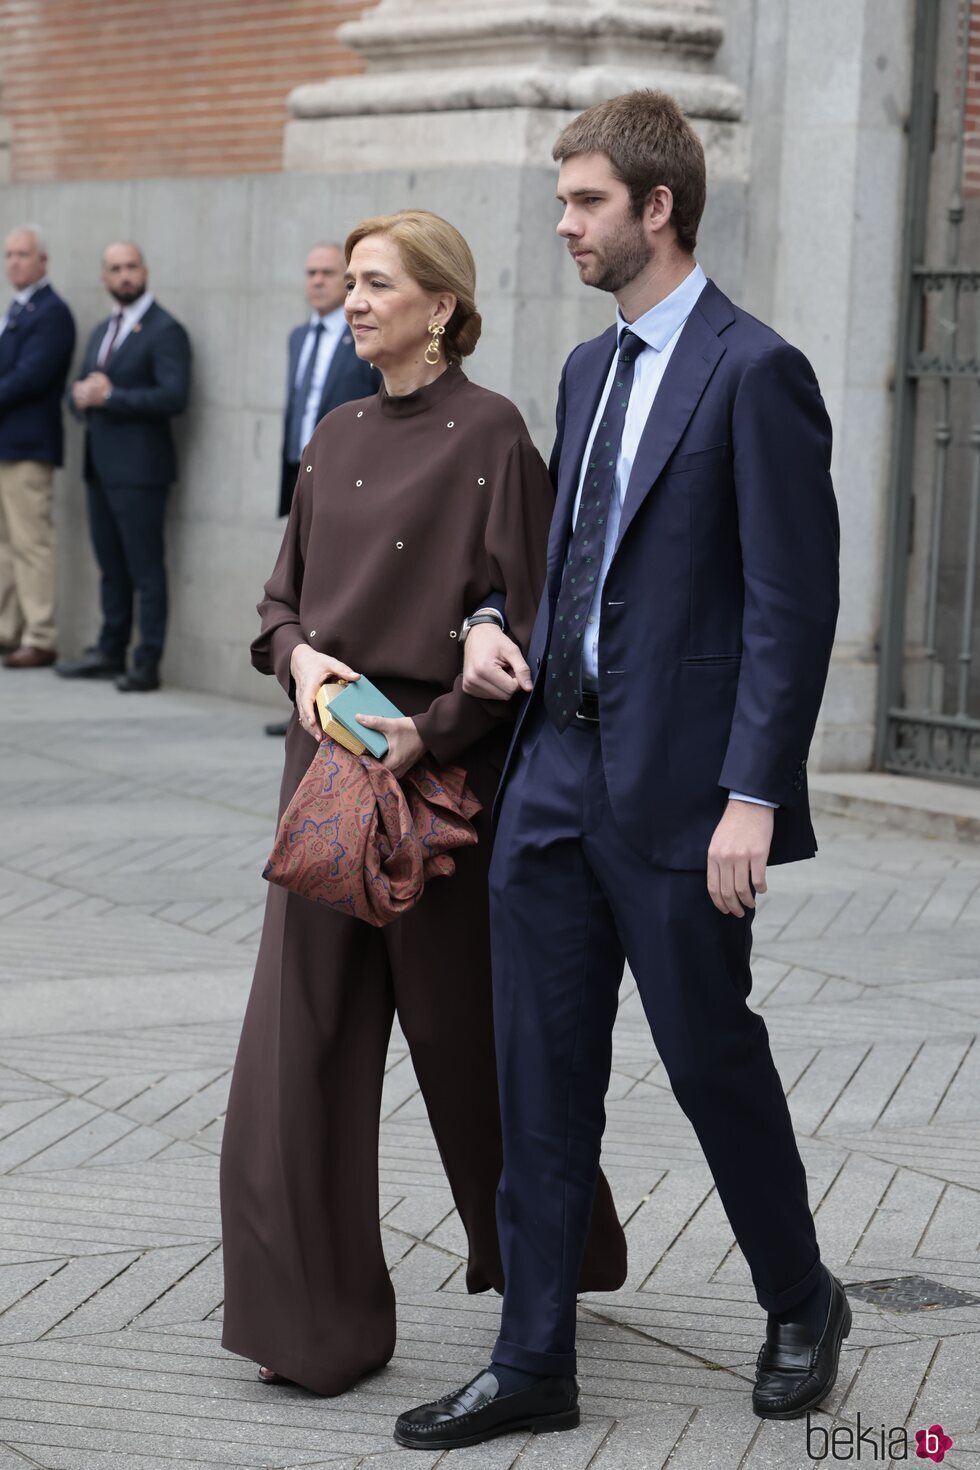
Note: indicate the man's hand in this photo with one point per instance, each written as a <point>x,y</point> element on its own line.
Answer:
<point>309,670</point>
<point>738,855</point>
<point>405,745</point>
<point>493,666</point>
<point>91,392</point>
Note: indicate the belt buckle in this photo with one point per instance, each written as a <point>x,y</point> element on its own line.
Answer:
<point>588,719</point>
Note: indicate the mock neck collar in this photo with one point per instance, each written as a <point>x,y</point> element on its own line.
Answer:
<point>406,405</point>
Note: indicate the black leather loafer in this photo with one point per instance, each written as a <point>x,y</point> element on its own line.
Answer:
<point>93,664</point>
<point>794,1373</point>
<point>139,681</point>
<point>479,1412</point>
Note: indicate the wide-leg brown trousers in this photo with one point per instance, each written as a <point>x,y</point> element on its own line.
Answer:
<point>307,1291</point>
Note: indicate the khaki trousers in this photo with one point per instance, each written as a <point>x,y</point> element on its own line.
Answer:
<point>27,566</point>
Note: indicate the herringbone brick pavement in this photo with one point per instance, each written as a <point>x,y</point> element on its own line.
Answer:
<point>132,838</point>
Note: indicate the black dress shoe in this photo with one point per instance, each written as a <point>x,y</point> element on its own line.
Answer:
<point>479,1412</point>
<point>794,1373</point>
<point>139,681</point>
<point>93,664</point>
<point>279,730</point>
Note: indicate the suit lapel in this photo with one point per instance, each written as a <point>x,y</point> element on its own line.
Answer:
<point>583,388</point>
<point>134,332</point>
<point>338,366</point>
<point>691,365</point>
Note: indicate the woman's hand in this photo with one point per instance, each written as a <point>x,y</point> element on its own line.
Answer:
<point>309,670</point>
<point>405,744</point>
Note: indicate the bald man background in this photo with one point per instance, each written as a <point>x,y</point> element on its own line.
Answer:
<point>37,339</point>
<point>135,378</point>
<point>324,370</point>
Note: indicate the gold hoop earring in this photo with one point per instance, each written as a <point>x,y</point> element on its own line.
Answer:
<point>437,330</point>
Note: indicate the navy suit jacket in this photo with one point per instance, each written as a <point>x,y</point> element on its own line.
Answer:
<point>129,442</point>
<point>35,355</point>
<point>719,608</point>
<point>348,377</point>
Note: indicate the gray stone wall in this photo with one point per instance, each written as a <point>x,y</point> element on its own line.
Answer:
<point>803,228</point>
<point>226,256</point>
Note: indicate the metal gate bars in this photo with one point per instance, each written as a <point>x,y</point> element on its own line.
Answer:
<point>929,694</point>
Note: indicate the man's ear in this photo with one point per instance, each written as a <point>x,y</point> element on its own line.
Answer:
<point>659,208</point>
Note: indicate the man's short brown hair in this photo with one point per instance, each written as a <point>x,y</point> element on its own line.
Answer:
<point>648,141</point>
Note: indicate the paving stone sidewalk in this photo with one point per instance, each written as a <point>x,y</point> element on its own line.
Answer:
<point>132,837</point>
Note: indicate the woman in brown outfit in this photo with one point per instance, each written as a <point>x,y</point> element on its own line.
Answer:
<point>410,508</point>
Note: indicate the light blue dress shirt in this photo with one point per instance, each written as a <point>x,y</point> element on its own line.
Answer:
<point>660,328</point>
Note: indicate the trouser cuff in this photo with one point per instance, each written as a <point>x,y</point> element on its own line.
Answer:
<point>548,1365</point>
<point>782,1301</point>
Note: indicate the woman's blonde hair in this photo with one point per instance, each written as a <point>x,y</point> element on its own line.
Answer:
<point>436,257</point>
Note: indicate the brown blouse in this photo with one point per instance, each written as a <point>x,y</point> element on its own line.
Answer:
<point>407,512</point>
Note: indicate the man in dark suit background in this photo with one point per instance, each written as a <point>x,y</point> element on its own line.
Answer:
<point>323,371</point>
<point>672,685</point>
<point>37,339</point>
<point>135,378</point>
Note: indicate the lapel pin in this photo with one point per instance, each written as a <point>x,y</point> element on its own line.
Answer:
<point>136,327</point>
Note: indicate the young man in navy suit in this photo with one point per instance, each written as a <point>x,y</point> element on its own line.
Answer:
<point>324,371</point>
<point>670,694</point>
<point>135,378</point>
<point>37,339</point>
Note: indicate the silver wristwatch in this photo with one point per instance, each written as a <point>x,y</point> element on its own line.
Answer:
<point>486,615</point>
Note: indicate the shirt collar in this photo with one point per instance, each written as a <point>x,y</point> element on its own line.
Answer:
<point>658,325</point>
<point>332,322</point>
<point>23,297</point>
<point>137,309</point>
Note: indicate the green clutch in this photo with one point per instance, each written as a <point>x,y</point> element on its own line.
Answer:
<point>364,698</point>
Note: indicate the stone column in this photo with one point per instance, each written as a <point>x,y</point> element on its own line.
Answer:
<point>448,83</point>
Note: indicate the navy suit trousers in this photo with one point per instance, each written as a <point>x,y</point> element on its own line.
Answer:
<point>126,524</point>
<point>570,900</point>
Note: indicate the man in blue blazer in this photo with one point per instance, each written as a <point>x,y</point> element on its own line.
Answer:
<point>37,339</point>
<point>672,686</point>
<point>135,378</point>
<point>323,372</point>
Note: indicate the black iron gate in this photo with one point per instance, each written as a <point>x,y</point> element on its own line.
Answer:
<point>929,702</point>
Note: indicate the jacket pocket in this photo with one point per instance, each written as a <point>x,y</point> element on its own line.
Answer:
<point>697,459</point>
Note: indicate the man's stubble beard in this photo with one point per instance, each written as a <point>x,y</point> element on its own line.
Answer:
<point>127,297</point>
<point>622,260</point>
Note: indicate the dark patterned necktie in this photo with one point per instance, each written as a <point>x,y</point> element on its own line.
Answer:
<point>294,439</point>
<point>113,338</point>
<point>563,685</point>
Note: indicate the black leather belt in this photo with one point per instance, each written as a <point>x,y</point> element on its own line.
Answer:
<point>589,708</point>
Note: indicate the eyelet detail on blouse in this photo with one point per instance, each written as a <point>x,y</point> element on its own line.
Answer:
<point>309,467</point>
<point>453,633</point>
<point>451,424</point>
<point>481,481</point>
<point>399,545</point>
<point>358,483</point>
<point>360,413</point>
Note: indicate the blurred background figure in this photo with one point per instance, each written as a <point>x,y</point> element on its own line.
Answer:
<point>135,378</point>
<point>37,339</point>
<point>324,371</point>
